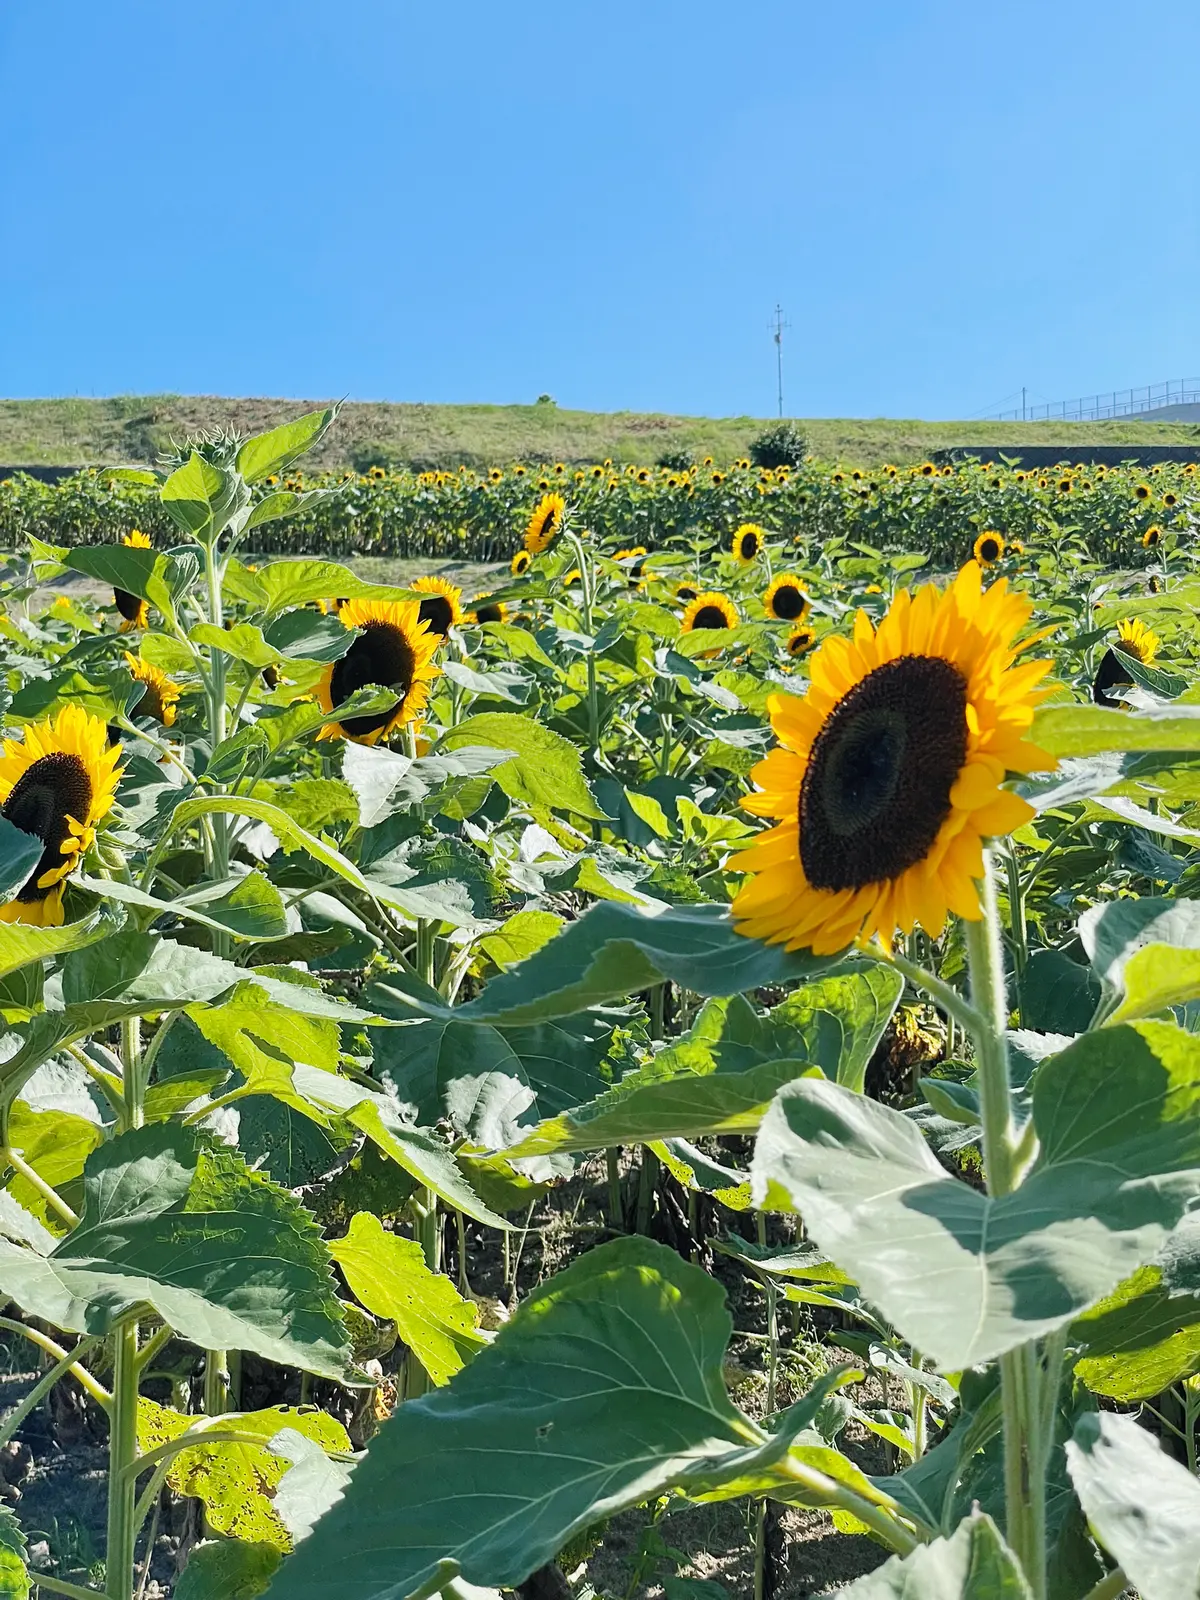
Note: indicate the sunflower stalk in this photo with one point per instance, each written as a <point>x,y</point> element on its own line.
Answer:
<point>1021,1378</point>
<point>121,1547</point>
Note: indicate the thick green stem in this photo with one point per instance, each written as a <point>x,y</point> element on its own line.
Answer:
<point>216,1382</point>
<point>122,1454</point>
<point>1024,1476</point>
<point>425,1203</point>
<point>131,1062</point>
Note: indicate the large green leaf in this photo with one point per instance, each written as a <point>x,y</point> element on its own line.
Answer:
<point>388,1275</point>
<point>1138,1340</point>
<point>1144,953</point>
<point>385,781</point>
<point>21,944</point>
<point>19,854</point>
<point>15,1579</point>
<point>224,1257</point>
<point>1076,730</point>
<point>546,769</point>
<point>614,950</point>
<point>282,584</point>
<point>1143,1507</point>
<point>249,908</point>
<point>603,1390</point>
<point>227,1569</point>
<point>646,1108</point>
<point>973,1564</point>
<point>190,493</point>
<point>1118,1116</point>
<point>273,451</point>
<point>150,574</point>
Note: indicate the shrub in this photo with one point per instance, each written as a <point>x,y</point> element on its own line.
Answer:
<point>780,446</point>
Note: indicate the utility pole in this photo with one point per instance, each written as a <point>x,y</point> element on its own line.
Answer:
<point>778,325</point>
<point>1022,402</point>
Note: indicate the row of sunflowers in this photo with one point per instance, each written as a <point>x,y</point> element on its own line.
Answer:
<point>466,515</point>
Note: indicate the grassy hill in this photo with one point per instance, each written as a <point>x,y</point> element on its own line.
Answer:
<point>135,428</point>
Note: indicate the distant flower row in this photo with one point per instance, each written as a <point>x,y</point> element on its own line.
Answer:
<point>1109,512</point>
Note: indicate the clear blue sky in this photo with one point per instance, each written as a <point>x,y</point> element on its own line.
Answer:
<point>472,201</point>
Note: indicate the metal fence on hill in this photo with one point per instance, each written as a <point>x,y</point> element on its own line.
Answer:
<point>1119,403</point>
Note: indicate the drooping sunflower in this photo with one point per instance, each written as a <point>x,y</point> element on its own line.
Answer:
<point>132,607</point>
<point>545,523</point>
<point>57,781</point>
<point>887,779</point>
<point>160,694</point>
<point>636,556</point>
<point>393,649</point>
<point>747,543</point>
<point>785,599</point>
<point>989,547</point>
<point>485,609</point>
<point>709,610</point>
<point>799,641</point>
<point>1134,640</point>
<point>519,565</point>
<point>1152,537</point>
<point>442,610</point>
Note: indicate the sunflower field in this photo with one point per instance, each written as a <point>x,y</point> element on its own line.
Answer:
<point>1105,513</point>
<point>598,1086</point>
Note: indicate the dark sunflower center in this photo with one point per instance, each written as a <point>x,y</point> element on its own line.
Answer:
<point>437,611</point>
<point>380,654</point>
<point>489,613</point>
<point>129,605</point>
<point>151,703</point>
<point>749,544</point>
<point>53,788</point>
<point>989,549</point>
<point>877,787</point>
<point>546,527</point>
<point>788,602</point>
<point>710,617</point>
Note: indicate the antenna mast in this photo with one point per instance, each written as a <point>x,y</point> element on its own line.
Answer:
<point>778,325</point>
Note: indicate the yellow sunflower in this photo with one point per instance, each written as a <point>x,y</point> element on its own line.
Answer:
<point>485,609</point>
<point>132,607</point>
<point>887,779</point>
<point>636,556</point>
<point>686,592</point>
<point>394,649</point>
<point>709,611</point>
<point>747,543</point>
<point>800,640</point>
<point>442,610</point>
<point>57,781</point>
<point>1142,492</point>
<point>1152,537</point>
<point>989,547</point>
<point>160,694</point>
<point>785,599</point>
<point>1135,639</point>
<point>519,565</point>
<point>545,523</point>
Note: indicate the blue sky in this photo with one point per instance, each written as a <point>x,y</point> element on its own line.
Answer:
<point>471,202</point>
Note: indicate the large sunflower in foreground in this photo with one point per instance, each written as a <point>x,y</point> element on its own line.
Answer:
<point>160,694</point>
<point>132,607</point>
<point>57,781</point>
<point>393,649</point>
<point>887,779</point>
<point>442,607</point>
<point>545,523</point>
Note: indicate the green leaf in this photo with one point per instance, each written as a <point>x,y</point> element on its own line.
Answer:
<point>166,1217</point>
<point>1149,943</point>
<point>523,934</point>
<point>189,493</point>
<point>1075,730</point>
<point>19,854</point>
<point>21,944</point>
<point>386,782</point>
<point>281,584</point>
<point>145,573</point>
<point>289,833</point>
<point>1057,994</point>
<point>56,1143</point>
<point>15,1578</point>
<point>1118,1116</point>
<point>605,1389</point>
<point>279,447</point>
<point>285,503</point>
<point>227,1569</point>
<point>243,642</point>
<point>1143,1507</point>
<point>251,909</point>
<point>236,1482</point>
<point>973,1564</point>
<point>1138,1340</point>
<point>614,950</point>
<point>389,1277</point>
<point>681,1107</point>
<point>1156,978</point>
<point>308,636</point>
<point>546,770</point>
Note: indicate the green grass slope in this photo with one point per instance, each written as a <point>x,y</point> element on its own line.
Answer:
<point>135,428</point>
